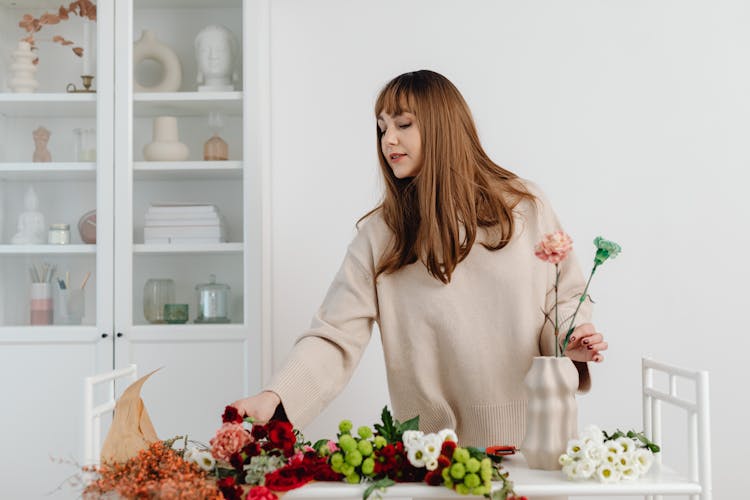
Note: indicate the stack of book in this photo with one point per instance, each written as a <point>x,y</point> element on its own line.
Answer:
<point>183,223</point>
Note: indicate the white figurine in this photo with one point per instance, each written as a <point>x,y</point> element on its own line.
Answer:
<point>32,229</point>
<point>215,52</point>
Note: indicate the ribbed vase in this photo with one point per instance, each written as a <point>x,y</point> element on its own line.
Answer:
<point>552,412</point>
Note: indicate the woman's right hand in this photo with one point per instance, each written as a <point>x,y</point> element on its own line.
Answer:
<point>260,407</point>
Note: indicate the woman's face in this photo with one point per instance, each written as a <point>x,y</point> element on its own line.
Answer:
<point>401,143</point>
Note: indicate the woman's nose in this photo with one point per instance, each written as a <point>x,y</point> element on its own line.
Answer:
<point>390,137</point>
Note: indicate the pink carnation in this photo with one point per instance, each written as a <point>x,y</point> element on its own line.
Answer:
<point>554,247</point>
<point>230,439</point>
<point>332,447</point>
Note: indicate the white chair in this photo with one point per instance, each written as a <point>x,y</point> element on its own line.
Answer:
<point>698,423</point>
<point>92,434</point>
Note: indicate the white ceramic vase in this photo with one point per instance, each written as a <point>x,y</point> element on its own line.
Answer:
<point>552,413</point>
<point>22,70</point>
<point>149,47</point>
<point>165,145</point>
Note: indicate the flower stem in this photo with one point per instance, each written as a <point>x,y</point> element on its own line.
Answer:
<point>571,326</point>
<point>557,329</point>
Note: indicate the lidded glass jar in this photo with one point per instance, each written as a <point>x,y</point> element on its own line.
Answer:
<point>156,293</point>
<point>213,302</point>
<point>58,234</point>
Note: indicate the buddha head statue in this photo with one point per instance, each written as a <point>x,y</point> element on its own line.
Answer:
<point>215,52</point>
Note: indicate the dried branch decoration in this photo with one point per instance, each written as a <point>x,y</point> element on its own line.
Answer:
<point>82,8</point>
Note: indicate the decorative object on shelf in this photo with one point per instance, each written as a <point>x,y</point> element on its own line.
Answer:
<point>58,234</point>
<point>41,138</point>
<point>22,69</point>
<point>213,302</point>
<point>87,81</point>
<point>84,144</point>
<point>149,47</point>
<point>87,227</point>
<point>551,382</point>
<point>69,306</point>
<point>176,313</point>
<point>165,145</point>
<point>215,148</point>
<point>157,293</point>
<point>32,229</point>
<point>551,414</point>
<point>40,294</point>
<point>215,52</point>
<point>608,458</point>
<point>84,9</point>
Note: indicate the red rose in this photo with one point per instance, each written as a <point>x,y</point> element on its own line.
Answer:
<point>229,488</point>
<point>251,450</point>
<point>281,435</point>
<point>260,493</point>
<point>434,478</point>
<point>231,415</point>
<point>447,449</point>
<point>236,461</point>
<point>287,478</point>
<point>259,432</point>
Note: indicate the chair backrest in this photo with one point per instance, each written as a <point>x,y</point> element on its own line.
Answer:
<point>697,409</point>
<point>92,413</point>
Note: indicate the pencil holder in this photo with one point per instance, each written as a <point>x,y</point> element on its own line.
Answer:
<point>41,303</point>
<point>69,306</point>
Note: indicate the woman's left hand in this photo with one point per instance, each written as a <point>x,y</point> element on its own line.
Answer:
<point>586,344</point>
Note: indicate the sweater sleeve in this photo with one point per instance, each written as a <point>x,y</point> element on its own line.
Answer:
<point>570,287</point>
<point>325,356</point>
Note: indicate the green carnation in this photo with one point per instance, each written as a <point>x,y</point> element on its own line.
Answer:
<point>472,480</point>
<point>337,459</point>
<point>347,443</point>
<point>446,474</point>
<point>380,441</point>
<point>364,432</point>
<point>345,426</point>
<point>353,458</point>
<point>458,471</point>
<point>365,448</point>
<point>352,478</point>
<point>462,489</point>
<point>486,474</point>
<point>605,249</point>
<point>461,455</point>
<point>481,490</point>
<point>472,465</point>
<point>368,466</point>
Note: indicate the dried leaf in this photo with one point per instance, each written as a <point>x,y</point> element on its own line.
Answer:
<point>131,430</point>
<point>63,13</point>
<point>78,51</point>
<point>58,39</point>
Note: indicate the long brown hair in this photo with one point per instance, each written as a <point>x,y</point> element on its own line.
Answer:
<point>458,187</point>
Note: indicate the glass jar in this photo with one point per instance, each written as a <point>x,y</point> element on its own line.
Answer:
<point>213,302</point>
<point>156,294</point>
<point>84,144</point>
<point>58,234</point>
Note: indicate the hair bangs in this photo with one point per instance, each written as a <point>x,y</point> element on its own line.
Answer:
<point>396,98</point>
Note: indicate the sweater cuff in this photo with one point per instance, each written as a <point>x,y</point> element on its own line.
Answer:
<point>299,393</point>
<point>584,378</point>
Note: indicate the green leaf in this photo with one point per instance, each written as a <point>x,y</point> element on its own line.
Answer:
<point>380,485</point>
<point>386,429</point>
<point>410,425</point>
<point>320,443</point>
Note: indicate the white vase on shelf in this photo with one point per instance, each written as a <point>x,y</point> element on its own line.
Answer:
<point>165,145</point>
<point>149,47</point>
<point>22,69</point>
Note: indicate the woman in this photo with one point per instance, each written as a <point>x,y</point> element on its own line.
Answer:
<point>445,265</point>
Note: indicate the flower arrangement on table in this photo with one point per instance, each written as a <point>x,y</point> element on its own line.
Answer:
<point>608,458</point>
<point>275,458</point>
<point>554,248</point>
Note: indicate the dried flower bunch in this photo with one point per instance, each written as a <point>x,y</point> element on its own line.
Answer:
<point>82,8</point>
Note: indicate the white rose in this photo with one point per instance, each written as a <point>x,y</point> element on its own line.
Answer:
<point>416,456</point>
<point>593,434</point>
<point>607,473</point>
<point>629,473</point>
<point>205,460</point>
<point>613,447</point>
<point>431,445</point>
<point>575,448</point>
<point>565,459</point>
<point>570,470</point>
<point>585,468</point>
<point>448,435</point>
<point>643,458</point>
<point>431,463</point>
<point>595,452</point>
<point>412,439</point>
<point>628,445</point>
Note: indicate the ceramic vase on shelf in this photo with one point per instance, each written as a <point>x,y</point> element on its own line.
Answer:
<point>165,145</point>
<point>552,413</point>
<point>22,69</point>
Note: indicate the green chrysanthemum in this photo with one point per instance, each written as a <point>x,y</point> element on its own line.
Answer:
<point>605,249</point>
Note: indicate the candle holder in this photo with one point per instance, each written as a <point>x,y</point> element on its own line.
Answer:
<point>87,81</point>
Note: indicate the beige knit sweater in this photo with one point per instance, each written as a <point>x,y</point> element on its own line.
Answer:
<point>455,354</point>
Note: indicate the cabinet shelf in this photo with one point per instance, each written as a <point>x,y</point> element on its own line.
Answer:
<point>188,332</point>
<point>23,250</point>
<point>49,334</point>
<point>59,104</point>
<point>213,248</point>
<point>149,104</point>
<point>30,171</point>
<point>186,170</point>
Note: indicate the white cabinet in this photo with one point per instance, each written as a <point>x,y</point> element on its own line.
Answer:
<point>205,366</point>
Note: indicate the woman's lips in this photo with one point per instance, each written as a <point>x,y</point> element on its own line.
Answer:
<point>396,157</point>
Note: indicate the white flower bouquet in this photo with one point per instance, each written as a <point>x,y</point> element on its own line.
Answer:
<point>619,457</point>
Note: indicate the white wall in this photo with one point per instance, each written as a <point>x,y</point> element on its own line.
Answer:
<point>632,115</point>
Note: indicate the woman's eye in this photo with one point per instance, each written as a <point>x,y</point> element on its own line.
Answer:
<point>405,125</point>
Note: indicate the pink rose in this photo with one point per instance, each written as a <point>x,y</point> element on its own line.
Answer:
<point>332,447</point>
<point>230,439</point>
<point>554,247</point>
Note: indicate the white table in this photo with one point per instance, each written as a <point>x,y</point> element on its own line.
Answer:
<point>533,483</point>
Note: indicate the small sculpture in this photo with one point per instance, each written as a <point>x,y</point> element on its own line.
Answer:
<point>215,52</point>
<point>22,69</point>
<point>165,145</point>
<point>41,153</point>
<point>32,230</point>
